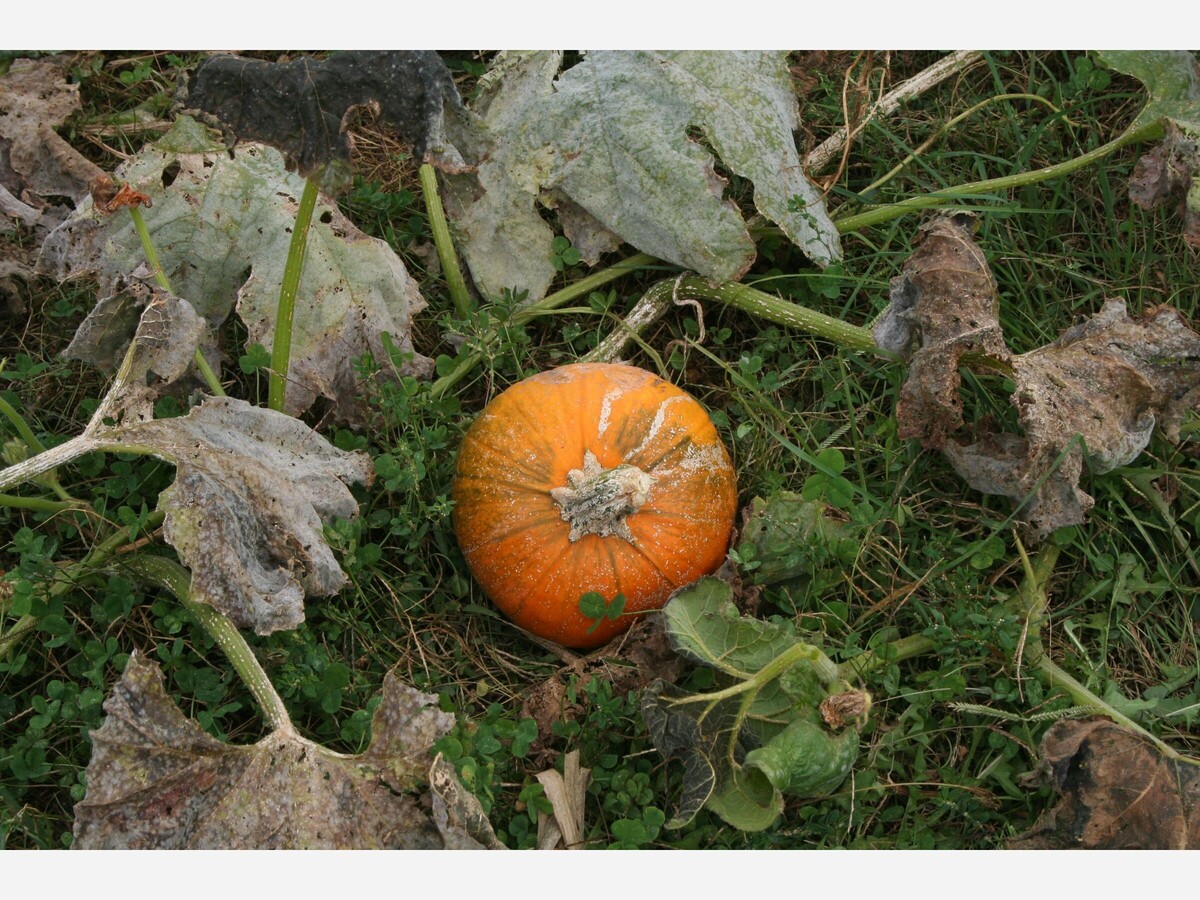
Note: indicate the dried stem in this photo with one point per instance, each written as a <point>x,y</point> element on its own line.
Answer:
<point>831,148</point>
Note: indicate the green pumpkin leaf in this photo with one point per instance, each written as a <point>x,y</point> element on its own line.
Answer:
<point>762,733</point>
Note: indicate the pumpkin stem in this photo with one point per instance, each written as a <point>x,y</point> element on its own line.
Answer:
<point>598,500</point>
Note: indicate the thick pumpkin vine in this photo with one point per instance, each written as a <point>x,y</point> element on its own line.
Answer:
<point>645,475</point>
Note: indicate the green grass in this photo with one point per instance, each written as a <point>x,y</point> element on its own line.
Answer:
<point>1124,603</point>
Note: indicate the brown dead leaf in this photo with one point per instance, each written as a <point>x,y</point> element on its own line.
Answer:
<point>946,299</point>
<point>545,704</point>
<point>156,780</point>
<point>1165,176</point>
<point>108,198</point>
<point>1117,792</point>
<point>1096,394</point>
<point>35,162</point>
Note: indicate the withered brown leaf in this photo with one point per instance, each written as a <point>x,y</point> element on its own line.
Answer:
<point>35,98</point>
<point>1116,792</point>
<point>156,780</point>
<point>1095,395</point>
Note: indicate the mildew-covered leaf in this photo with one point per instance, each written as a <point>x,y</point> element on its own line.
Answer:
<point>301,107</point>
<point>156,780</point>
<point>504,240</point>
<point>1116,792</point>
<point>612,135</point>
<point>765,733</point>
<point>222,228</point>
<point>35,98</point>
<point>252,489</point>
<point>1095,395</point>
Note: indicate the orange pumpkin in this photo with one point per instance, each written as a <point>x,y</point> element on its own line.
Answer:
<point>591,478</point>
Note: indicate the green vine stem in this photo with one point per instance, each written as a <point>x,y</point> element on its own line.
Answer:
<point>160,276</point>
<point>468,361</point>
<point>948,125</point>
<point>41,504</point>
<point>281,347</point>
<point>24,432</point>
<point>1031,602</point>
<point>826,669</point>
<point>455,283</point>
<point>782,312</point>
<point>883,214</point>
<point>688,289</point>
<point>173,577</point>
<point>71,574</point>
<point>895,651</point>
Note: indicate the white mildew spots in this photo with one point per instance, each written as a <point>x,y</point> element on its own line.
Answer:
<point>695,459</point>
<point>660,416</point>
<point>606,412</point>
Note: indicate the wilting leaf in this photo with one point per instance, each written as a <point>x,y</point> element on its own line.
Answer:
<point>252,489</point>
<point>612,135</point>
<point>1116,792</point>
<point>696,742</point>
<point>301,107</point>
<point>35,98</point>
<point>222,230</point>
<point>156,780</point>
<point>1168,172</point>
<point>763,736</point>
<point>168,331</point>
<point>1096,394</point>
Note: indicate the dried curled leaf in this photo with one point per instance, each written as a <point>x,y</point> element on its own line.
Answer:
<point>166,333</point>
<point>1116,792</point>
<point>302,107</point>
<point>156,780</point>
<point>1096,394</point>
<point>946,298</point>
<point>222,228</point>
